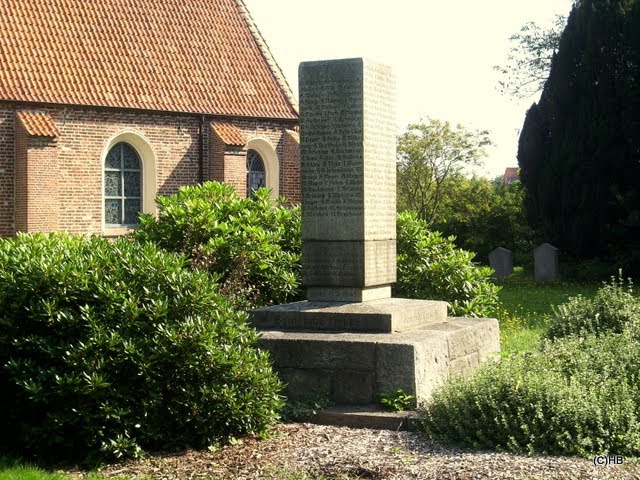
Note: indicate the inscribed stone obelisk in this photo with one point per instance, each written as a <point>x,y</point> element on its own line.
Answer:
<point>348,180</point>
<point>350,341</point>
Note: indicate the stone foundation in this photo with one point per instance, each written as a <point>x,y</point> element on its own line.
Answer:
<point>354,368</point>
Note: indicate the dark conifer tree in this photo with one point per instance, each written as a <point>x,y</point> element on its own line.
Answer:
<point>579,150</point>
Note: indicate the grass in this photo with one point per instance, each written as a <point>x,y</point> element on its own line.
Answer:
<point>13,469</point>
<point>28,473</point>
<point>526,306</point>
<point>16,470</point>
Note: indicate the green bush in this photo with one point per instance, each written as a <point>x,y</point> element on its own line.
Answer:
<point>111,348</point>
<point>575,396</point>
<point>484,214</point>
<point>578,393</point>
<point>431,267</point>
<point>612,308</point>
<point>252,245</point>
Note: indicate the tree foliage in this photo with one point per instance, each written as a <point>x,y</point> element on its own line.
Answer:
<point>430,154</point>
<point>484,214</point>
<point>529,59</point>
<point>579,149</point>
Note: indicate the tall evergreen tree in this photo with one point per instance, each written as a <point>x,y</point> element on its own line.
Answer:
<point>579,150</point>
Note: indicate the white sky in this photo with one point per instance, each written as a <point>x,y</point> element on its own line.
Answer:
<point>442,53</point>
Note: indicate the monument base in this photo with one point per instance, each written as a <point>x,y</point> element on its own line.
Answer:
<point>354,368</point>
<point>385,316</point>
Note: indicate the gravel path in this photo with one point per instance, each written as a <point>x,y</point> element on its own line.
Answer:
<point>346,453</point>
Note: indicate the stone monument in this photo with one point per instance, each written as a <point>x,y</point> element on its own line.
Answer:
<point>351,341</point>
<point>348,183</point>
<point>501,260</point>
<point>545,263</point>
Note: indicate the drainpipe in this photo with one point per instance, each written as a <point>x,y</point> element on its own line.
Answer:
<point>201,151</point>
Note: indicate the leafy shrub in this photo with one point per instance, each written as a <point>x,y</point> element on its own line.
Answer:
<point>304,410</point>
<point>397,401</point>
<point>109,348</point>
<point>431,267</point>
<point>252,245</point>
<point>573,396</point>
<point>612,308</point>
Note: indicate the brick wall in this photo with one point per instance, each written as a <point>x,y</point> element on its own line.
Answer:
<point>36,187</point>
<point>228,163</point>
<point>20,183</point>
<point>7,149</point>
<point>290,183</point>
<point>84,135</point>
<point>216,158</point>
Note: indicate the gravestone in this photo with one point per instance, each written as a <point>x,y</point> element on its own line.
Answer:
<point>545,263</point>
<point>350,341</point>
<point>501,260</point>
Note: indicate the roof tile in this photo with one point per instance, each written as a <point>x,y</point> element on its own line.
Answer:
<point>38,124</point>
<point>192,56</point>
<point>229,134</point>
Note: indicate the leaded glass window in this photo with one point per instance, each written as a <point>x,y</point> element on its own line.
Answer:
<point>122,186</point>
<point>256,177</point>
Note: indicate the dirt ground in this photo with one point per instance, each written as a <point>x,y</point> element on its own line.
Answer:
<point>302,451</point>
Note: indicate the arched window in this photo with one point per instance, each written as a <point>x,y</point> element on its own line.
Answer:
<point>256,177</point>
<point>122,186</point>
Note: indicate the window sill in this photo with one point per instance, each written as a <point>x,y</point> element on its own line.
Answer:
<point>116,231</point>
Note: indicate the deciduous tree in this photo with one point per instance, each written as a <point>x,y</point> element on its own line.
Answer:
<point>430,154</point>
<point>529,59</point>
<point>483,214</point>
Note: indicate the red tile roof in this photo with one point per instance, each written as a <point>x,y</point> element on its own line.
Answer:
<point>191,56</point>
<point>510,174</point>
<point>38,124</point>
<point>229,134</point>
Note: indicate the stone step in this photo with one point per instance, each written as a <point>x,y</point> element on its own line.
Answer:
<point>374,316</point>
<point>365,416</point>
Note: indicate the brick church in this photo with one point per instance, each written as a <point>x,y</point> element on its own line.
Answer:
<point>105,104</point>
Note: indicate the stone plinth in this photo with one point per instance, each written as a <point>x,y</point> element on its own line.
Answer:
<point>348,183</point>
<point>354,368</point>
<point>381,316</point>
